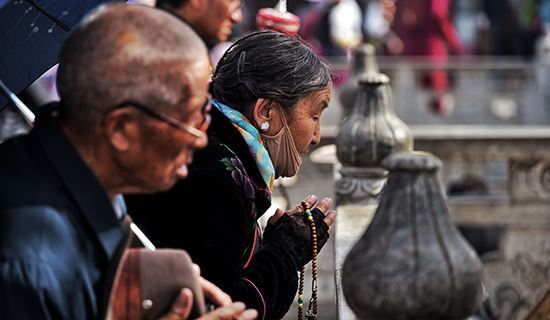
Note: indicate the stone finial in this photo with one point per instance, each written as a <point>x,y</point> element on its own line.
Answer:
<point>414,161</point>
<point>372,131</point>
<point>411,262</point>
<point>362,61</point>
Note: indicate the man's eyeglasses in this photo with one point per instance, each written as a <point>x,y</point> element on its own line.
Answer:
<point>169,119</point>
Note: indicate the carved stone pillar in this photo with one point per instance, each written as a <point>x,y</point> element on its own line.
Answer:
<point>529,180</point>
<point>371,132</point>
<point>518,278</point>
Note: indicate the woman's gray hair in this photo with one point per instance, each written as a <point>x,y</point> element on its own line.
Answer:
<point>269,65</point>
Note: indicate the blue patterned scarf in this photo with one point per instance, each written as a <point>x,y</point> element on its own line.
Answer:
<point>252,137</point>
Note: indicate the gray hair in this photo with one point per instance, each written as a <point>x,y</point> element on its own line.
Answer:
<point>269,65</point>
<point>124,52</point>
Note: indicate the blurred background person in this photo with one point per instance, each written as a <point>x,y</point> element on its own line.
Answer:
<point>213,20</point>
<point>426,29</point>
<point>514,26</point>
<point>331,26</point>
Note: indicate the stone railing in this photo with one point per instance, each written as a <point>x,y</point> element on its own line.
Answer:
<point>486,91</point>
<point>517,274</point>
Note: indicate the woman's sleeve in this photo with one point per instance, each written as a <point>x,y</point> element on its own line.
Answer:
<point>218,231</point>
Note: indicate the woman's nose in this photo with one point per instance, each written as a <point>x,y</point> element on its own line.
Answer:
<point>316,135</point>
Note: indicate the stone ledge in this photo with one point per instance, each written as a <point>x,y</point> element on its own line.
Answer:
<point>504,213</point>
<point>464,132</point>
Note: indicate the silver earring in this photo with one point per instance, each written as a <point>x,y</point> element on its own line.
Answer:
<point>264,126</point>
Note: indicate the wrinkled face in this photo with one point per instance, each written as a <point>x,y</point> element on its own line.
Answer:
<point>166,151</point>
<point>215,26</point>
<point>305,121</point>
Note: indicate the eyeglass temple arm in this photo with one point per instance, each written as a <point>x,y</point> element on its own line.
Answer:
<point>25,112</point>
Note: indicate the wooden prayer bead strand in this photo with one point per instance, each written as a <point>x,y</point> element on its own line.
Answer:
<point>312,307</point>
<point>301,293</point>
<point>314,268</point>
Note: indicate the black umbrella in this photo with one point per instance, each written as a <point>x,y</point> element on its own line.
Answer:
<point>31,34</point>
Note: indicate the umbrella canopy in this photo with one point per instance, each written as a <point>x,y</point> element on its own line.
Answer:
<point>32,32</point>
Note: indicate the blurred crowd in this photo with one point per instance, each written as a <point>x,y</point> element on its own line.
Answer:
<point>432,29</point>
<point>416,27</point>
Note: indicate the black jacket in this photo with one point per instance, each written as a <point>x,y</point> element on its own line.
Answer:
<point>59,234</point>
<point>212,214</point>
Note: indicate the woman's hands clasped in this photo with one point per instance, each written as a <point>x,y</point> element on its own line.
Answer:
<point>323,206</point>
<point>291,230</point>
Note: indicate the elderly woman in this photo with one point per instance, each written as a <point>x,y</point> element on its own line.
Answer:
<point>269,92</point>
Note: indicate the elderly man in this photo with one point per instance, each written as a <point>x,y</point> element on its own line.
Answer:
<point>133,83</point>
<point>211,19</point>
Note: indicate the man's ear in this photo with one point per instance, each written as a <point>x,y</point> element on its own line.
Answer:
<point>121,128</point>
<point>263,111</point>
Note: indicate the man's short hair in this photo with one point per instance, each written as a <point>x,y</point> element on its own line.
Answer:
<point>123,52</point>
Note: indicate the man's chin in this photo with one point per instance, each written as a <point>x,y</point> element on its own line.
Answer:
<point>169,183</point>
<point>165,187</point>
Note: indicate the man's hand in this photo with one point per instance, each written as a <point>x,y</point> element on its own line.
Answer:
<point>235,310</point>
<point>211,291</point>
<point>228,310</point>
<point>181,308</point>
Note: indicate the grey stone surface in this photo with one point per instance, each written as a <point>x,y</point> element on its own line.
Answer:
<point>352,222</point>
<point>518,277</point>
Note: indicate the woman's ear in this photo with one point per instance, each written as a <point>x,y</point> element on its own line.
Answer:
<point>262,112</point>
